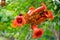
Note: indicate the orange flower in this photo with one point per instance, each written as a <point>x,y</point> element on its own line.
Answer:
<point>38,32</point>
<point>42,8</point>
<point>49,15</point>
<point>20,20</point>
<point>39,9</point>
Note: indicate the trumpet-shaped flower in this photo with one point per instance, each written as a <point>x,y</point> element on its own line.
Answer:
<point>19,21</point>
<point>37,32</point>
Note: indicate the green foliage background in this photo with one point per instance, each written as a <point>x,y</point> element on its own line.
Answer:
<point>14,7</point>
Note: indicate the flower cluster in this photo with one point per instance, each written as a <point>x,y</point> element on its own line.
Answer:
<point>34,17</point>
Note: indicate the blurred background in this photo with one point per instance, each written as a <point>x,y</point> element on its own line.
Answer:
<point>12,8</point>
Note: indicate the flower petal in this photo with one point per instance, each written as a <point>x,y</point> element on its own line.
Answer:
<point>14,25</point>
